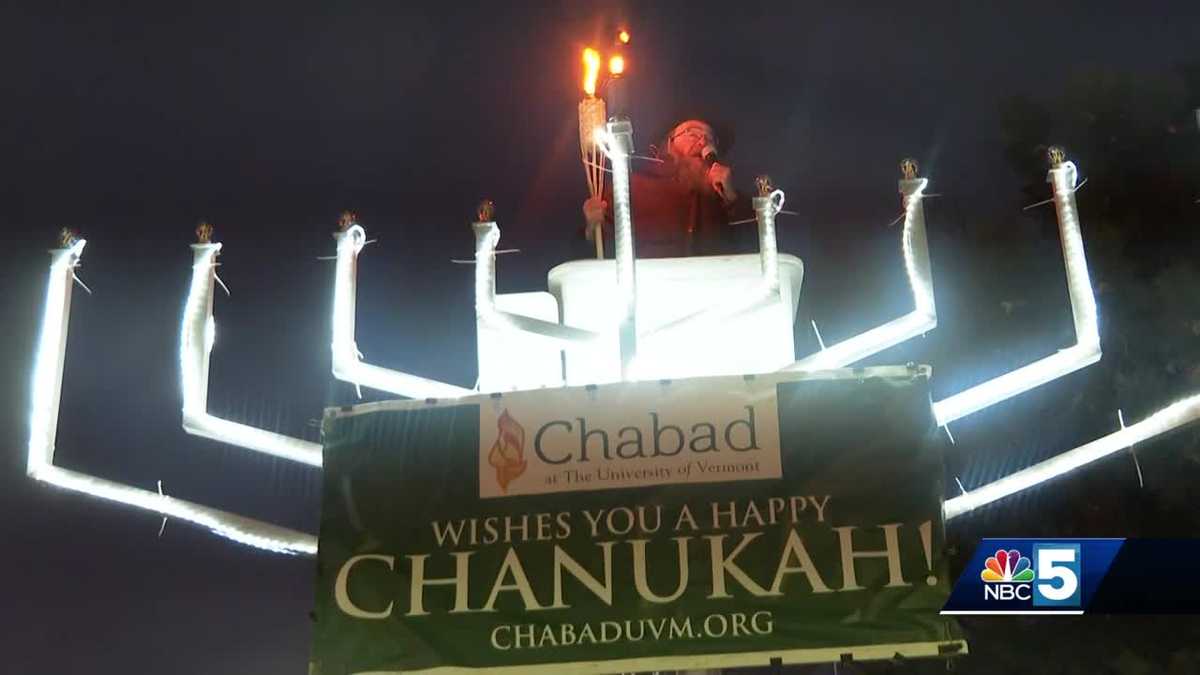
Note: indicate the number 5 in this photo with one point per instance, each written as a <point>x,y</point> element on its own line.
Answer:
<point>1048,569</point>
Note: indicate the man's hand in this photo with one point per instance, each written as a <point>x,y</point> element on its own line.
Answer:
<point>593,213</point>
<point>720,177</point>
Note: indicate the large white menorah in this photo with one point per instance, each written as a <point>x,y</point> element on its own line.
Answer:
<point>769,300</point>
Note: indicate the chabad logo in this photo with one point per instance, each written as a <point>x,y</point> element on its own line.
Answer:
<point>508,452</point>
<point>1007,567</point>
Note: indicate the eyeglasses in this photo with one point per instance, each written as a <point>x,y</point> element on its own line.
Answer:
<point>697,133</point>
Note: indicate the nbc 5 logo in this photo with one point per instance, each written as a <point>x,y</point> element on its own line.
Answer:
<point>1058,574</point>
<point>1050,579</point>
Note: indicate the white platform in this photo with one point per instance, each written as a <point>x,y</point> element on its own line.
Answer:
<point>670,289</point>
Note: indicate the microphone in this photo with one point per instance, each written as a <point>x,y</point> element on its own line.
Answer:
<point>709,156</point>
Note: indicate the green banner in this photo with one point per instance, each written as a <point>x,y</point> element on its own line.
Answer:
<point>705,523</point>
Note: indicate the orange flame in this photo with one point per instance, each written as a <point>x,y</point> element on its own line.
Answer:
<point>623,37</point>
<point>591,70</point>
<point>616,65</point>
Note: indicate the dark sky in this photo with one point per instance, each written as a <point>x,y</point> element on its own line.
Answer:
<point>133,120</point>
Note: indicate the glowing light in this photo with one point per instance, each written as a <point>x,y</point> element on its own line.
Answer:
<point>487,235</point>
<point>923,318</point>
<point>49,355</point>
<point>758,340</point>
<point>222,523</point>
<point>616,65</point>
<point>1169,418</point>
<point>1084,352</point>
<point>591,70</point>
<point>43,427</point>
<point>347,364</point>
<point>617,144</point>
<point>511,360</point>
<point>623,37</point>
<point>195,347</point>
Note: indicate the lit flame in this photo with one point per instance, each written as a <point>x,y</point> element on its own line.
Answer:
<point>616,65</point>
<point>591,70</point>
<point>623,37</point>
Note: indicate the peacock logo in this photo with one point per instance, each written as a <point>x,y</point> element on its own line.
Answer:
<point>507,455</point>
<point>1007,566</point>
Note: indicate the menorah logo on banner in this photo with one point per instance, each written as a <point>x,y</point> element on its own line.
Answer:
<point>675,438</point>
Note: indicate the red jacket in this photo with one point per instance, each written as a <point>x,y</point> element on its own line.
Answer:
<point>670,219</point>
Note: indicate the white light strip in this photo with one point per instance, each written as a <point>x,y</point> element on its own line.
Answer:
<point>49,357</point>
<point>923,318</point>
<point>347,365</point>
<point>1084,352</point>
<point>195,346</point>
<point>617,143</point>
<point>229,525</point>
<point>487,235</point>
<point>43,427</point>
<point>1169,418</point>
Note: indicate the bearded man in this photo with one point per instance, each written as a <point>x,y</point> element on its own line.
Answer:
<point>684,202</point>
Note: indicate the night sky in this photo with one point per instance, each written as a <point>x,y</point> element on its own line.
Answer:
<point>132,121</point>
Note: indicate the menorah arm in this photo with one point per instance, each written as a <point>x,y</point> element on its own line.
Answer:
<point>347,364</point>
<point>1086,349</point>
<point>1172,417</point>
<point>195,346</point>
<point>923,317</point>
<point>49,360</point>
